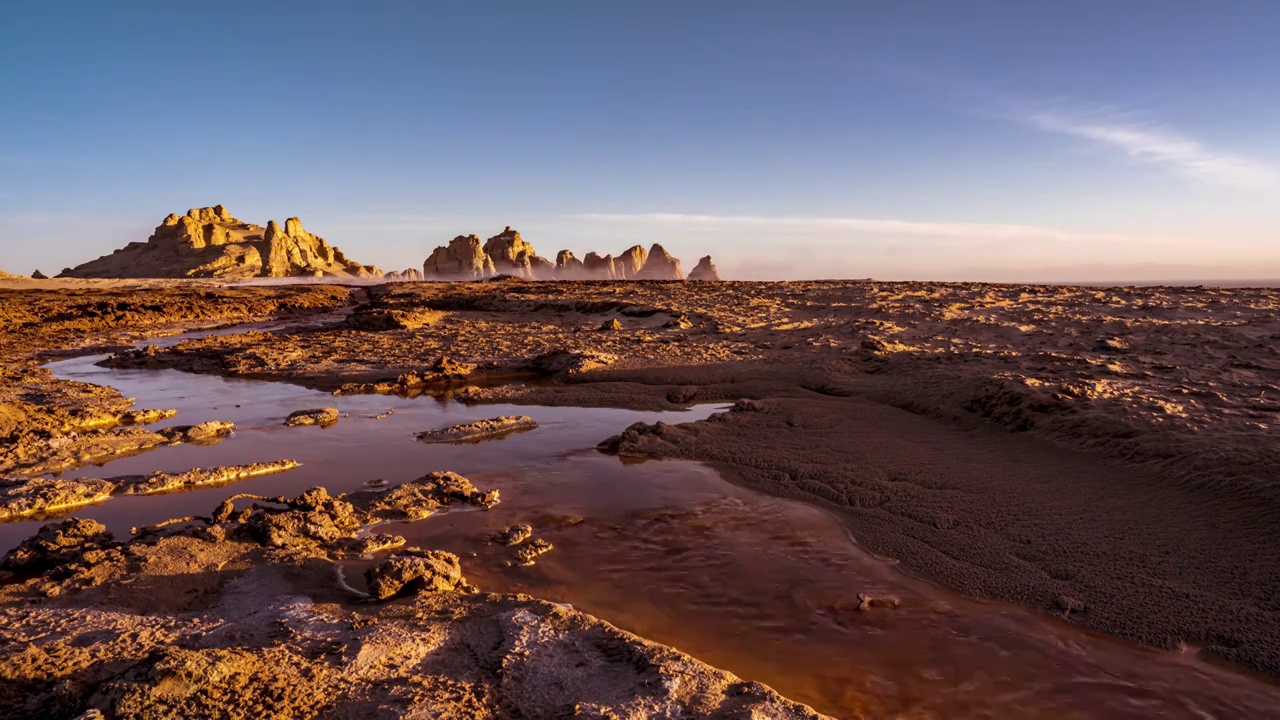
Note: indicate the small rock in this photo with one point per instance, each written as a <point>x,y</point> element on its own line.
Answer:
<point>528,554</point>
<point>679,323</point>
<point>206,433</point>
<point>430,571</point>
<point>514,535</point>
<point>611,326</point>
<point>866,602</point>
<point>324,417</point>
<point>1069,605</point>
<point>1111,344</point>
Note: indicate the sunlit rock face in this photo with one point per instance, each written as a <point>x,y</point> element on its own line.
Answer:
<point>630,262</point>
<point>599,268</point>
<point>211,243</point>
<point>463,258</point>
<point>508,254</point>
<point>660,265</point>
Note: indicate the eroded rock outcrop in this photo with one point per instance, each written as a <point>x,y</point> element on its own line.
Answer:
<point>210,243</point>
<point>630,262</point>
<point>599,268</point>
<point>659,265</point>
<point>464,258</point>
<point>705,270</point>
<point>569,267</point>
<point>510,254</point>
<point>406,275</point>
<point>507,254</point>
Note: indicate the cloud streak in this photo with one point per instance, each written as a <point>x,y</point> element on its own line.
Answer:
<point>1156,145</point>
<point>981,231</point>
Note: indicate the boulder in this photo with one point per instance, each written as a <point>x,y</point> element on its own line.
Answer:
<point>210,243</point>
<point>510,254</point>
<point>705,270</point>
<point>405,574</point>
<point>37,275</point>
<point>659,265</point>
<point>463,258</point>
<point>630,262</point>
<point>595,267</point>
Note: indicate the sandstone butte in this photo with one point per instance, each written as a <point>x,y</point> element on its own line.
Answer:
<point>210,243</point>
<point>508,254</point>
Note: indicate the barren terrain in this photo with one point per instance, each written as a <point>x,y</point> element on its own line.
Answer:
<point>1105,455</point>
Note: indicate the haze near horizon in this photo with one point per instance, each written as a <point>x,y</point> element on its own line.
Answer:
<point>996,141</point>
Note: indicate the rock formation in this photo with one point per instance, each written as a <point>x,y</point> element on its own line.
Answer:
<point>659,265</point>
<point>705,270</point>
<point>599,268</point>
<point>569,267</point>
<point>210,243</point>
<point>510,254</point>
<point>629,263</point>
<point>406,275</point>
<point>37,275</point>
<point>464,258</point>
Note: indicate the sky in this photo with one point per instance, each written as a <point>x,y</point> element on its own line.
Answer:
<point>949,140</point>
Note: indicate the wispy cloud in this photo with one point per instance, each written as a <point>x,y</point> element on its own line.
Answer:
<point>982,231</point>
<point>1154,144</point>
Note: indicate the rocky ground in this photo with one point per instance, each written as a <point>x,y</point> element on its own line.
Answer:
<point>1107,455</point>
<point>1054,446</point>
<point>243,614</point>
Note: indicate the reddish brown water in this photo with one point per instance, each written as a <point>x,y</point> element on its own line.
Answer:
<point>760,586</point>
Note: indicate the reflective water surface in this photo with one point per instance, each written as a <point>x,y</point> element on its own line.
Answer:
<point>764,587</point>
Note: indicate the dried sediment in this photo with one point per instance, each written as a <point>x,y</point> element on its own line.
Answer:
<point>39,496</point>
<point>160,482</point>
<point>479,430</point>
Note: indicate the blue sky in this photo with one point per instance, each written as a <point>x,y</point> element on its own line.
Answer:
<point>950,140</point>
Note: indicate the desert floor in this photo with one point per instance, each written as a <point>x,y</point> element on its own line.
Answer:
<point>1106,457</point>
